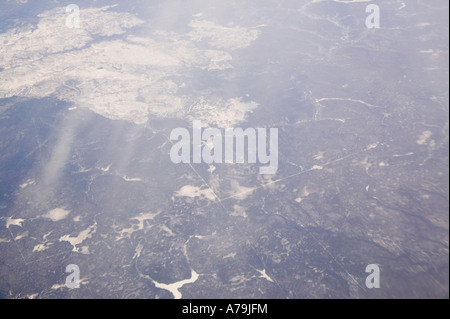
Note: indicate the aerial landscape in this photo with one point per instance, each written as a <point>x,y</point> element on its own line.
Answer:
<point>110,112</point>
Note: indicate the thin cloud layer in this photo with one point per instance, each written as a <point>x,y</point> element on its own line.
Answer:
<point>127,77</point>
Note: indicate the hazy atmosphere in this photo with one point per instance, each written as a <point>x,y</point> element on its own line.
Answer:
<point>117,179</point>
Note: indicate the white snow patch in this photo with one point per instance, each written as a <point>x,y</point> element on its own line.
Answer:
<point>23,235</point>
<point>16,222</point>
<point>239,211</point>
<point>57,214</point>
<point>222,37</point>
<point>27,183</point>
<point>305,193</point>
<point>106,169</point>
<point>141,218</point>
<point>264,275</point>
<point>174,288</point>
<point>138,251</point>
<point>372,146</point>
<point>240,192</point>
<point>82,236</point>
<point>127,179</point>
<point>58,286</point>
<point>424,137</point>
<point>231,255</point>
<point>167,230</point>
<point>41,247</point>
<point>194,192</point>
<point>319,156</point>
<point>211,169</point>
